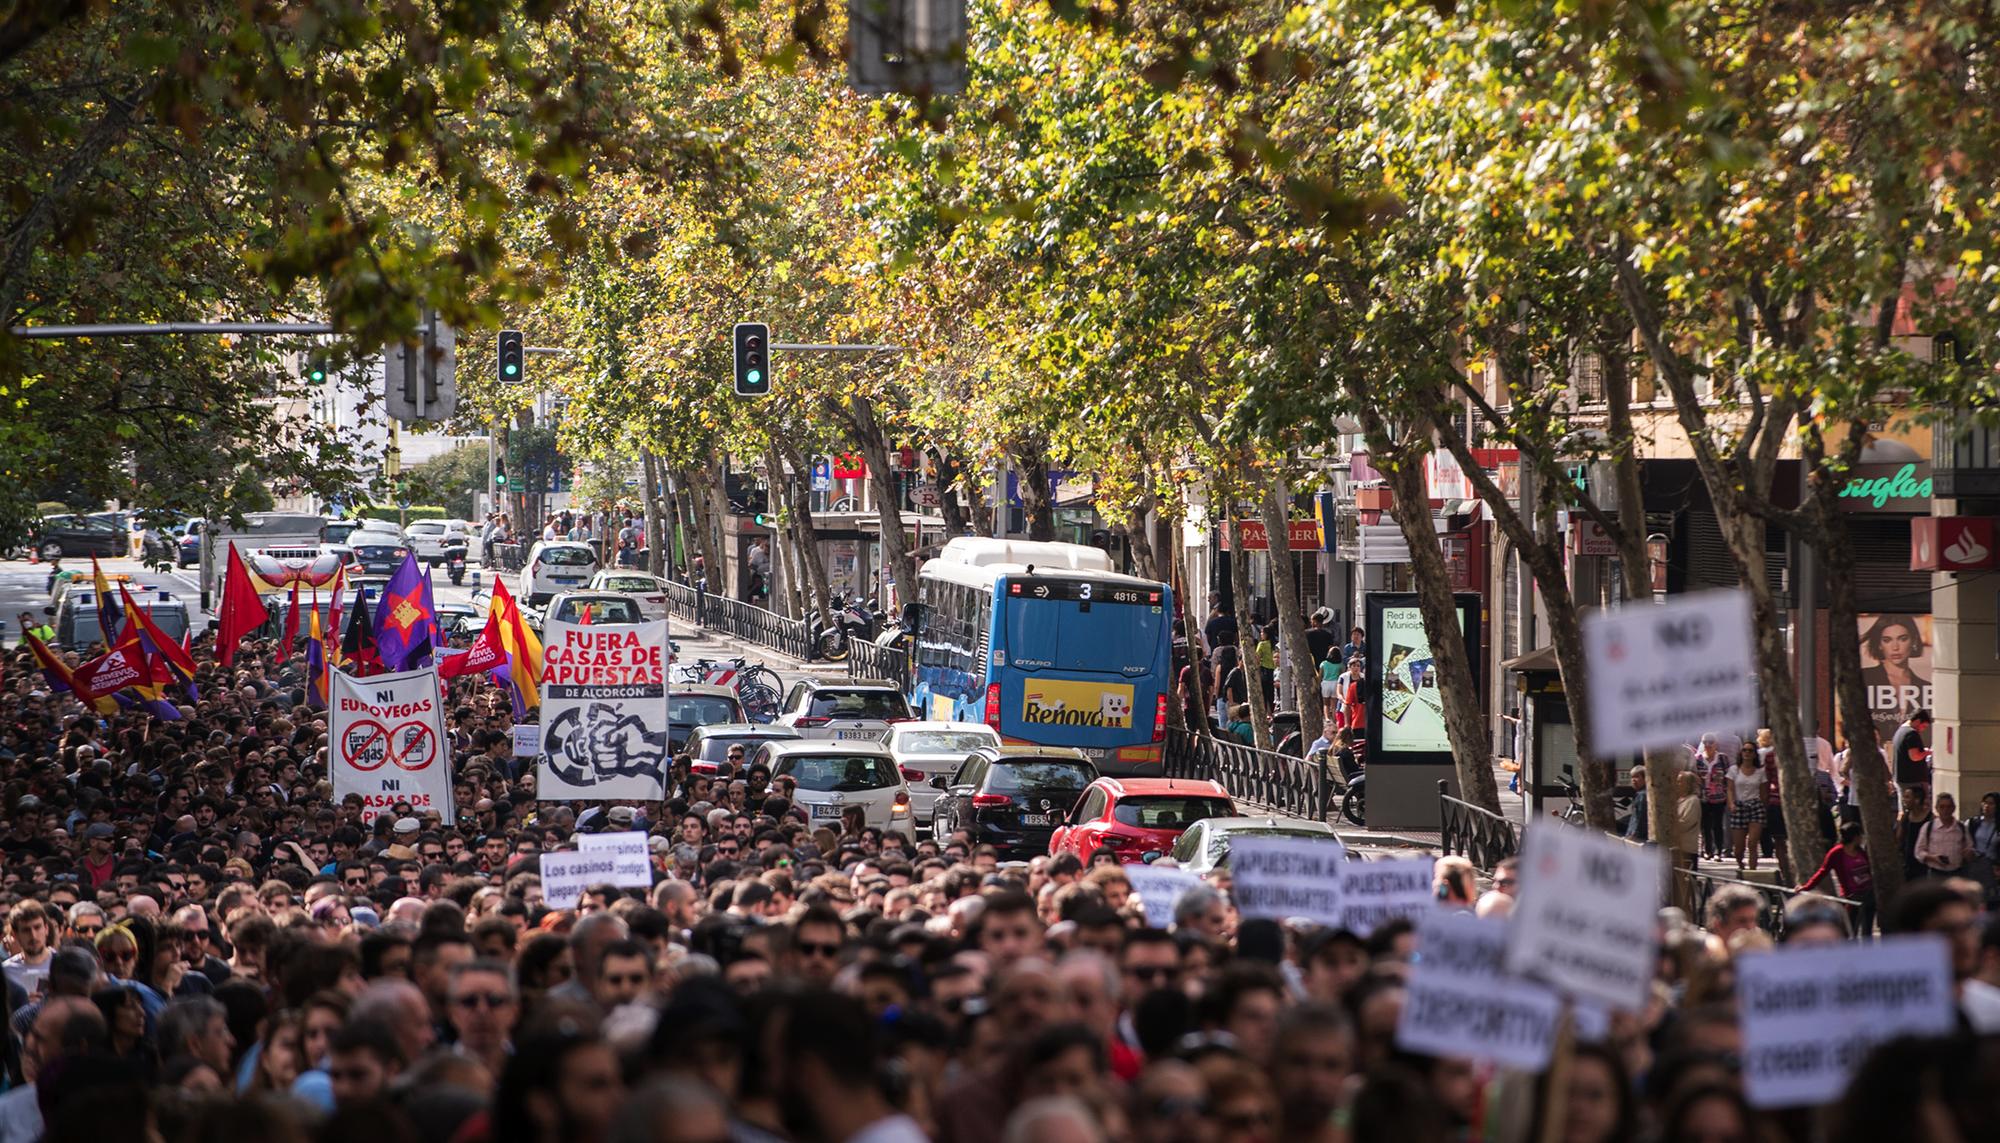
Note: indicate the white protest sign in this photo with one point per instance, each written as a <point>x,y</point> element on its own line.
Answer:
<point>388,743</point>
<point>1462,1003</point>
<point>604,712</point>
<point>1281,877</point>
<point>1585,917</point>
<point>634,868</point>
<point>527,739</point>
<point>1663,674</point>
<point>1373,893</point>
<point>1160,889</point>
<point>566,875</point>
<point>1810,1015</point>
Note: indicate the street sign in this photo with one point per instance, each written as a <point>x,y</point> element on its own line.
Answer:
<point>822,475</point>
<point>908,46</point>
<point>1665,674</point>
<point>418,373</point>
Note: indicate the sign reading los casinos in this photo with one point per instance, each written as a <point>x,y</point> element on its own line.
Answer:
<point>1887,488</point>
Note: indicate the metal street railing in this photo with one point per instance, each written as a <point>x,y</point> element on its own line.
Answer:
<point>1262,778</point>
<point>1486,839</point>
<point>867,661</point>
<point>1479,835</point>
<point>741,620</point>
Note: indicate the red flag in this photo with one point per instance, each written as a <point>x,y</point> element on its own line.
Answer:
<point>123,666</point>
<point>486,654</point>
<point>176,653</point>
<point>242,611</point>
<point>292,621</point>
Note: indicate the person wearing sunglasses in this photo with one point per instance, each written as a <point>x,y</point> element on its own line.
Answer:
<point>482,1008</point>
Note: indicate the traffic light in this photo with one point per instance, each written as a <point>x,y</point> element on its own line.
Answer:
<point>316,371</point>
<point>765,520</point>
<point>513,357</point>
<point>499,474</point>
<point>753,359</point>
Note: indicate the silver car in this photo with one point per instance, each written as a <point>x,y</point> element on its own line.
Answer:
<point>834,775</point>
<point>926,749</point>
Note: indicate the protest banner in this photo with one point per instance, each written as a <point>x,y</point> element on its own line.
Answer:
<point>1810,1015</point>
<point>1663,674</point>
<point>566,875</point>
<point>634,864</point>
<point>604,712</point>
<point>1373,893</point>
<point>1282,877</point>
<point>1584,918</point>
<point>1462,1003</point>
<point>388,743</point>
<point>527,739</point>
<point>1160,889</point>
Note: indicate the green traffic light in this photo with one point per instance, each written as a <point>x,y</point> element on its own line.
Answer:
<point>512,369</point>
<point>317,376</point>
<point>754,377</point>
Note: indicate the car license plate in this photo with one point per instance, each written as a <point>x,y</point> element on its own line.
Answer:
<point>859,735</point>
<point>1036,819</point>
<point>826,811</point>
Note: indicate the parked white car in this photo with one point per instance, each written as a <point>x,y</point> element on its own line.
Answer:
<point>924,750</point>
<point>428,538</point>
<point>649,590</point>
<point>835,775</point>
<point>556,566</point>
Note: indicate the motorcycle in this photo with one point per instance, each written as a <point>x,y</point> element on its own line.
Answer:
<point>454,563</point>
<point>829,641</point>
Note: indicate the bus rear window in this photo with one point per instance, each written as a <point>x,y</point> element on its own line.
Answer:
<point>1061,634</point>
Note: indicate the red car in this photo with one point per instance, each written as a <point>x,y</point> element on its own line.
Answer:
<point>1135,816</point>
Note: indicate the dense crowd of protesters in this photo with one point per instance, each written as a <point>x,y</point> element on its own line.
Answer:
<point>205,944</point>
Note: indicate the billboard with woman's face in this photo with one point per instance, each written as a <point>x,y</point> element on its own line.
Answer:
<point>1895,667</point>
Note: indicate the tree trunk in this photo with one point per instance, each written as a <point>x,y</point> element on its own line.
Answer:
<point>956,522</point>
<point>805,533</point>
<point>1246,630</point>
<point>656,557</point>
<point>1138,535</point>
<point>1291,617</point>
<point>1663,767</point>
<point>1191,615</point>
<point>859,413</point>
<point>1031,467</point>
<point>1543,557</point>
<point>1471,749</point>
<point>722,575</point>
<point>701,505</point>
<point>1799,797</point>
<point>1867,768</point>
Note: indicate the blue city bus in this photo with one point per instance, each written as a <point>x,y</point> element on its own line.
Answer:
<point>1049,646</point>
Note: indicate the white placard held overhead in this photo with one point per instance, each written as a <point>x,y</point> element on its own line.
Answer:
<point>566,875</point>
<point>634,868</point>
<point>1283,877</point>
<point>1664,674</point>
<point>1810,1015</point>
<point>527,739</point>
<point>1462,1003</point>
<point>1584,920</point>
<point>1373,893</point>
<point>1160,888</point>
<point>386,739</point>
<point>604,712</point>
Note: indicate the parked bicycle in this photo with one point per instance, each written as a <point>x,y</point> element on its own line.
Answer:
<point>757,686</point>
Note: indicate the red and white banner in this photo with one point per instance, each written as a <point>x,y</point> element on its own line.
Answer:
<point>388,742</point>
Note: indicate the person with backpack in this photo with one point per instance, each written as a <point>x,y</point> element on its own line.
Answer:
<point>1943,844</point>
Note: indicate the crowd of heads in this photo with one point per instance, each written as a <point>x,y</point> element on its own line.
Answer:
<point>206,943</point>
